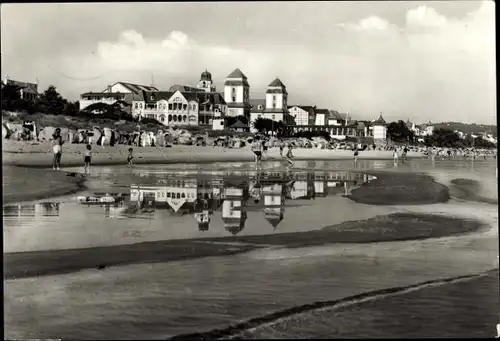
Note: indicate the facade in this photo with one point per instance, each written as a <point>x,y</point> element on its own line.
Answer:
<point>237,94</point>
<point>302,114</point>
<point>181,108</point>
<point>276,103</point>
<point>322,116</point>
<point>28,91</point>
<point>379,130</point>
<point>257,110</point>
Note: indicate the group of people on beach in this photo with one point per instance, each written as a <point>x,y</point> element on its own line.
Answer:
<point>259,148</point>
<point>57,142</point>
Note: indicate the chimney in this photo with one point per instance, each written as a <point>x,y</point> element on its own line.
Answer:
<point>109,88</point>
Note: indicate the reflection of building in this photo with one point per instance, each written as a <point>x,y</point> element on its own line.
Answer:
<point>274,202</point>
<point>233,216</point>
<point>178,195</point>
<point>46,209</point>
<point>302,189</point>
<point>203,214</point>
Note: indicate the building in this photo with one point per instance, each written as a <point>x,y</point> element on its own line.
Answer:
<point>120,91</point>
<point>205,82</point>
<point>379,130</point>
<point>257,110</point>
<point>322,116</point>
<point>184,88</point>
<point>237,94</point>
<point>302,114</point>
<point>28,91</point>
<point>276,102</point>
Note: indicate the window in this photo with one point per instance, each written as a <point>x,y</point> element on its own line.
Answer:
<point>162,118</point>
<point>273,117</point>
<point>234,98</point>
<point>179,118</point>
<point>274,97</point>
<point>152,97</point>
<point>178,195</point>
<point>233,91</point>
<point>175,118</point>
<point>137,105</point>
<point>168,194</point>
<point>204,84</point>
<point>169,106</point>
<point>274,105</point>
<point>170,117</point>
<point>184,118</point>
<point>184,107</point>
<point>183,195</point>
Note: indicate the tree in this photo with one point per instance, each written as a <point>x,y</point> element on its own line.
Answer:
<point>11,97</point>
<point>399,132</point>
<point>259,124</point>
<point>442,137</point>
<point>51,102</point>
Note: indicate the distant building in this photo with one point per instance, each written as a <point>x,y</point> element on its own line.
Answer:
<point>237,94</point>
<point>233,216</point>
<point>28,91</point>
<point>302,114</point>
<point>206,83</point>
<point>120,91</point>
<point>379,130</point>
<point>274,203</point>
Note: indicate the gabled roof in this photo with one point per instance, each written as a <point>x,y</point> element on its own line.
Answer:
<point>335,115</point>
<point>277,83</point>
<point>184,88</point>
<point>136,88</point>
<point>274,220</point>
<point>210,98</point>
<point>235,225</point>
<point>322,111</point>
<point>155,96</point>
<point>237,74</point>
<point>256,102</point>
<point>29,87</point>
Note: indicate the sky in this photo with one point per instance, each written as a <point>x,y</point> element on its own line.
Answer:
<point>423,61</point>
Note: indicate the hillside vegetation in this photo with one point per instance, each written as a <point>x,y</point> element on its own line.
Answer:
<point>468,128</point>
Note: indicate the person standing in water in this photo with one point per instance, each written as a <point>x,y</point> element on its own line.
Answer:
<point>87,158</point>
<point>57,143</point>
<point>356,153</point>
<point>395,155</point>
<point>256,148</point>
<point>130,157</point>
<point>282,146</point>
<point>405,151</point>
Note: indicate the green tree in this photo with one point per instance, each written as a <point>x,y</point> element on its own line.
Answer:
<point>259,124</point>
<point>51,102</point>
<point>399,132</point>
<point>442,137</point>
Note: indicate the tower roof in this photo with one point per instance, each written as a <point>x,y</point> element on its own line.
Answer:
<point>237,74</point>
<point>380,120</point>
<point>206,76</point>
<point>278,83</point>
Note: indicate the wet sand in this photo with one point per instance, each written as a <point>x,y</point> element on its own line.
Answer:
<point>392,227</point>
<point>467,189</point>
<point>391,188</point>
<point>23,184</point>
<point>415,311</point>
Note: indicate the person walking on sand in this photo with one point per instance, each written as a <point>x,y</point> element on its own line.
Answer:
<point>130,157</point>
<point>57,143</point>
<point>87,158</point>
<point>256,148</point>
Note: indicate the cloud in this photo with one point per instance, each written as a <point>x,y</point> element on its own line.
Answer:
<point>427,67</point>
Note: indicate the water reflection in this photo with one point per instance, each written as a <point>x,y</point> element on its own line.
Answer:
<point>196,198</point>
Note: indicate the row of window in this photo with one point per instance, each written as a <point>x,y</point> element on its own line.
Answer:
<point>163,106</point>
<point>87,98</point>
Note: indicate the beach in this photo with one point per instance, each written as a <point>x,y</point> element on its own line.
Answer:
<point>27,176</point>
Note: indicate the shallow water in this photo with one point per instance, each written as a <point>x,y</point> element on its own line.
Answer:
<point>165,299</point>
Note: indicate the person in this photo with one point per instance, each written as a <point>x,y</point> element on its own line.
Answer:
<point>130,157</point>
<point>395,155</point>
<point>264,147</point>
<point>405,151</point>
<point>282,146</point>
<point>57,143</point>
<point>87,158</point>
<point>356,153</point>
<point>289,155</point>
<point>256,148</point>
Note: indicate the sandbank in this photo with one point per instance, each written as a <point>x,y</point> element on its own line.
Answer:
<point>392,227</point>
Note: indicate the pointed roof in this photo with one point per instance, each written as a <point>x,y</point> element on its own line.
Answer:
<point>380,120</point>
<point>274,220</point>
<point>238,124</point>
<point>237,74</point>
<point>278,83</point>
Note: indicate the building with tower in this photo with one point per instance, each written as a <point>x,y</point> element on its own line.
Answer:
<point>237,94</point>
<point>205,82</point>
<point>274,203</point>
